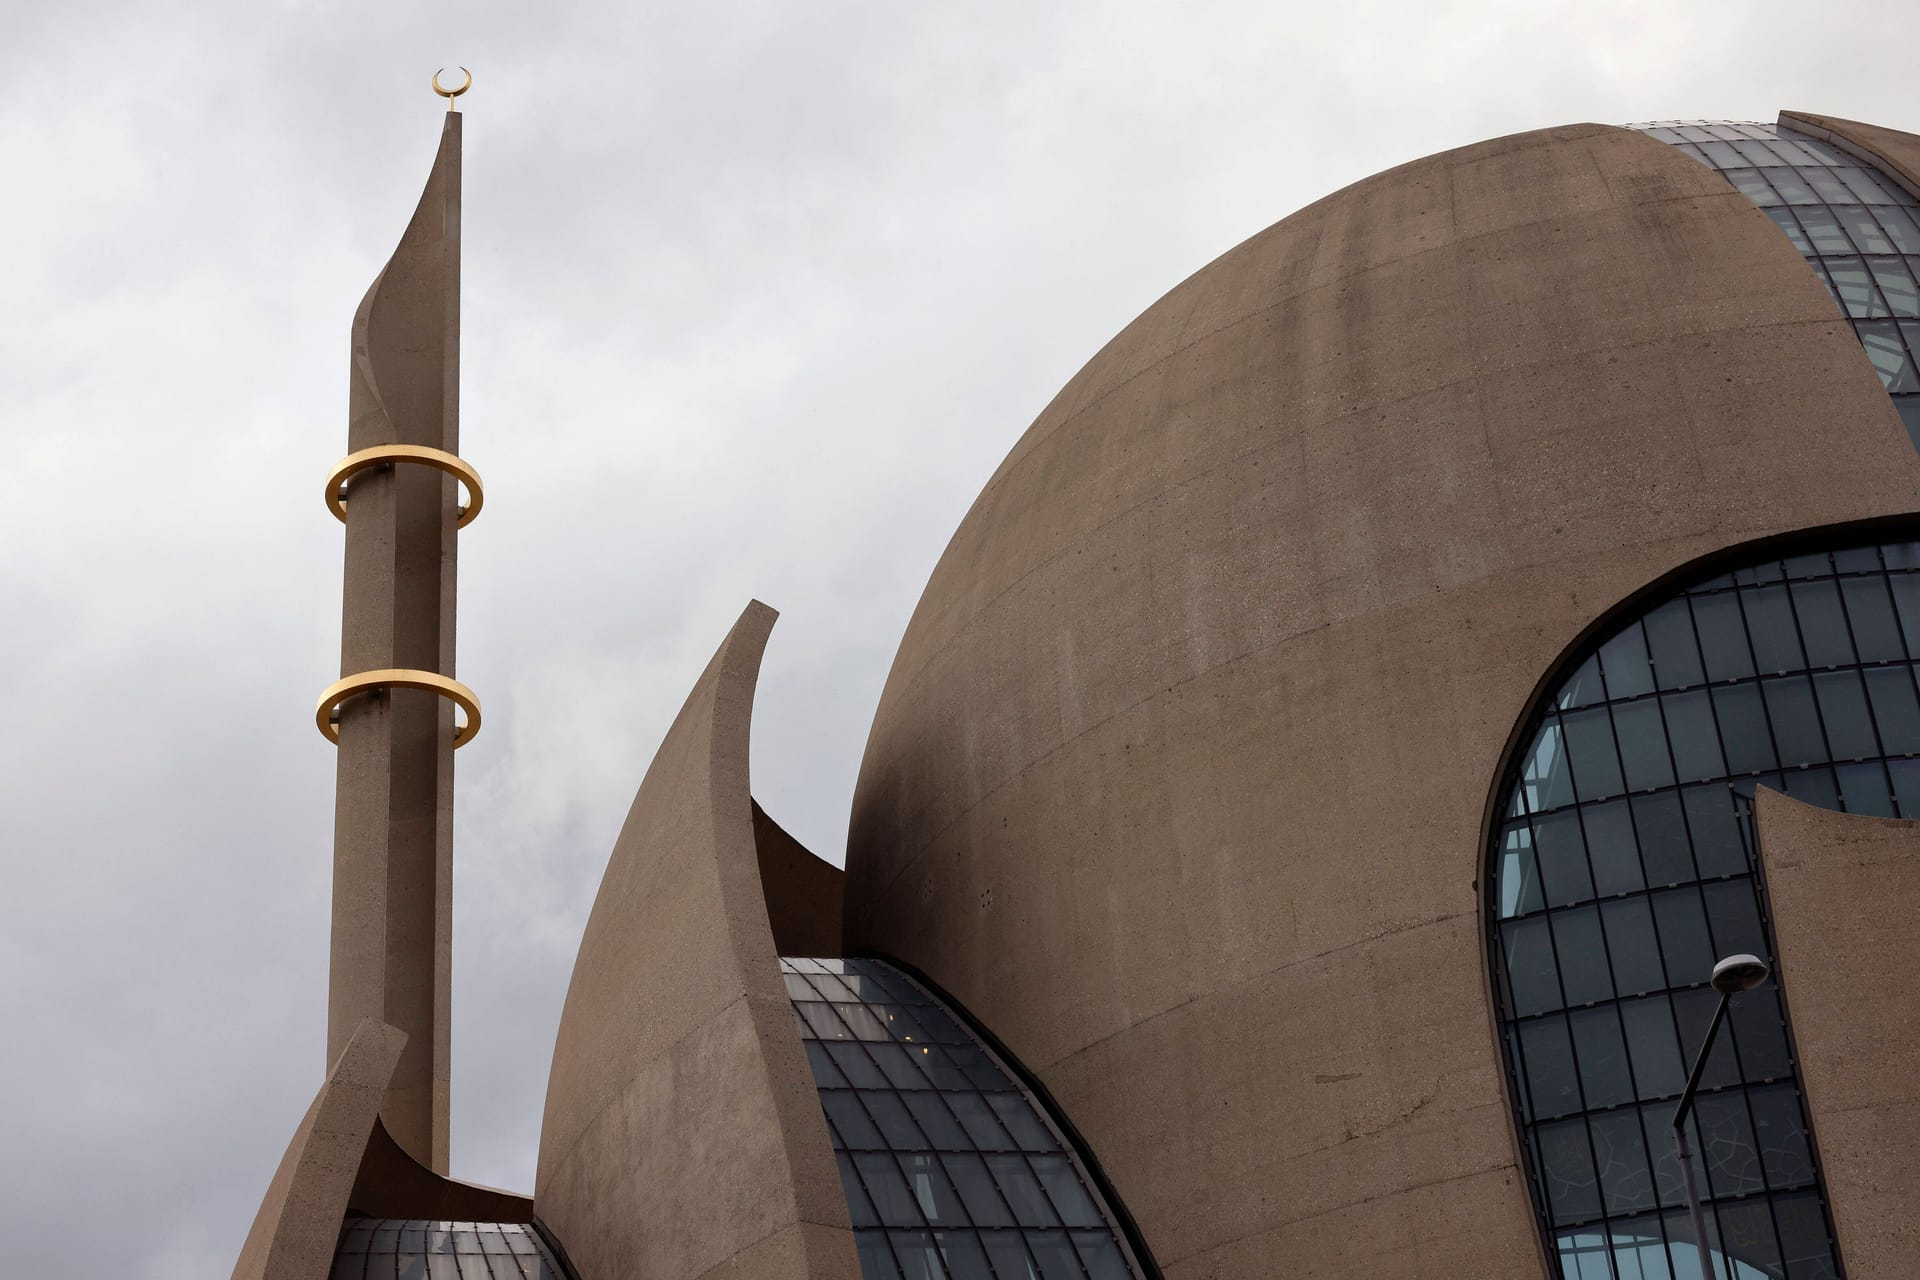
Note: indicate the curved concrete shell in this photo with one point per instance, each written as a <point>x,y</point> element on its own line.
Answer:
<point>1181,778</point>
<point>1845,891</point>
<point>683,1135</point>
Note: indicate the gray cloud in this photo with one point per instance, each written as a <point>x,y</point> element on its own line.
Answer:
<point>757,295</point>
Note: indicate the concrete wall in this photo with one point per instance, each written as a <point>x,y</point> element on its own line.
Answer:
<point>683,1136</point>
<point>803,891</point>
<point>1181,778</point>
<point>1845,893</point>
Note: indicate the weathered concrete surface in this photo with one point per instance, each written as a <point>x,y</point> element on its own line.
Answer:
<point>294,1233</point>
<point>803,891</point>
<point>1890,150</point>
<point>1181,778</point>
<point>683,1136</point>
<point>393,811</point>
<point>1845,892</point>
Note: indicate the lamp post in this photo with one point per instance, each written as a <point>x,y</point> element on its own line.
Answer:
<point>1733,974</point>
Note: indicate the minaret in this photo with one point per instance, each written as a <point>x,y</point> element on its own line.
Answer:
<point>393,710</point>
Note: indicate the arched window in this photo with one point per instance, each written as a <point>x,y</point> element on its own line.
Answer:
<point>1624,864</point>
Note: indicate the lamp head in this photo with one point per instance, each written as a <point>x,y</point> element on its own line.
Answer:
<point>1739,973</point>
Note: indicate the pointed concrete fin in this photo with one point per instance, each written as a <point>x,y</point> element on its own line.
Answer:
<point>298,1225</point>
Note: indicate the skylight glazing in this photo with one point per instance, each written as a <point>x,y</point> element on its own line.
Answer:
<point>950,1168</point>
<point>1625,866</point>
<point>419,1249</point>
<point>1858,228</point>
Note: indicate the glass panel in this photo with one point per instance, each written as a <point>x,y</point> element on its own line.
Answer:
<point>1776,641</point>
<point>1854,287</point>
<point>1796,725</point>
<point>1733,914</point>
<point>1896,711</point>
<point>1545,776</point>
<point>1620,1153</point>
<point>1790,225</point>
<point>1611,848</point>
<point>1682,922</point>
<point>1653,1046</point>
<point>1566,1163</point>
<point>1562,856</point>
<point>1600,1047</point>
<point>1870,613</point>
<point>1596,767</point>
<point>1760,1034</point>
<point>1723,636</point>
<point>1583,687</point>
<point>1625,664</point>
<point>1643,744</point>
<point>1553,1081</point>
<point>1864,789</point>
<point>1823,624</point>
<point>1584,973</point>
<point>1693,1013</point>
<point>1900,227</point>
<point>1744,736</point>
<point>1896,285</point>
<point>1843,713</point>
<point>1695,737</point>
<point>1746,1236</point>
<point>1664,847</point>
<point>1726,1142</point>
<point>1063,1187</point>
<point>1881,338</point>
<point>1633,946</point>
<point>1782,1134</point>
<point>1531,966</point>
<point>1676,655</point>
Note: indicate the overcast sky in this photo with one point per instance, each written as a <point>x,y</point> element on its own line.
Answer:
<point>756,296</point>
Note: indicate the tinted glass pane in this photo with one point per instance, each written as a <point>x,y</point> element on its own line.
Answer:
<point>953,1174</point>
<point>1600,1046</point>
<point>1553,1082</point>
<point>1864,788</point>
<point>1633,945</point>
<point>1760,1035</point>
<point>1584,972</point>
<point>1770,628</point>
<point>1796,725</point>
<point>1695,737</point>
<point>1596,765</point>
<point>1643,744</point>
<point>1611,847</point>
<point>1624,661</point>
<point>1745,740</point>
<point>1723,636</point>
<point>1870,613</point>
<point>1562,854</point>
<point>1620,1154</point>
<point>1843,714</point>
<point>1823,624</point>
<point>1676,655</point>
<point>1566,1163</point>
<point>1665,850</point>
<point>1682,922</point>
<point>1653,1046</point>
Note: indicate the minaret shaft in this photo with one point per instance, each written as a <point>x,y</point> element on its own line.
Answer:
<point>393,810</point>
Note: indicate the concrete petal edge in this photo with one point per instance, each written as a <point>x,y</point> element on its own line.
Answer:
<point>294,1233</point>
<point>1844,890</point>
<point>683,1135</point>
<point>1183,773</point>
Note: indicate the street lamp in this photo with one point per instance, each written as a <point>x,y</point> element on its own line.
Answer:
<point>1731,975</point>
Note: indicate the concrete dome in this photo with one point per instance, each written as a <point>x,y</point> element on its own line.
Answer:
<point>1181,778</point>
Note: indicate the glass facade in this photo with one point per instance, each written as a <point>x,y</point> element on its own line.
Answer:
<point>417,1249</point>
<point>1624,866</point>
<point>1858,228</point>
<point>951,1169</point>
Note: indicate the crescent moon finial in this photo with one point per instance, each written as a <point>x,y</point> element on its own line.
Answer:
<point>451,94</point>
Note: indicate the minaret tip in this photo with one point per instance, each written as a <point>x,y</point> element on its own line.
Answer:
<point>451,94</point>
